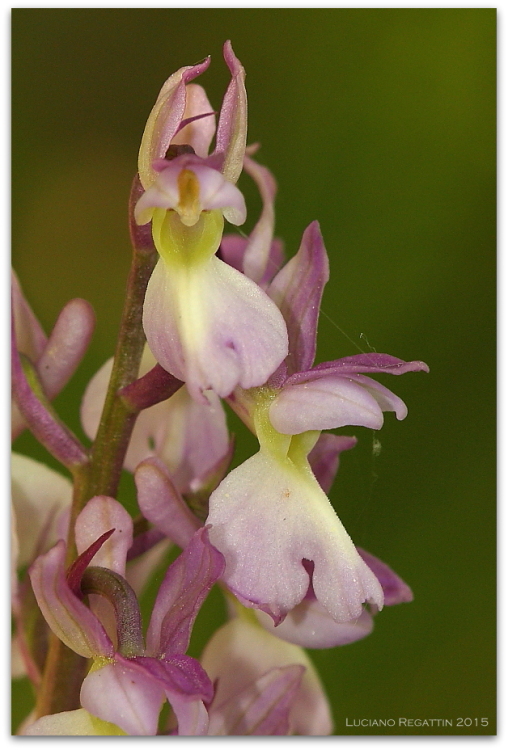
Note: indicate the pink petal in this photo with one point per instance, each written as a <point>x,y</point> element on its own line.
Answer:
<point>181,594</point>
<point>261,708</point>
<point>66,346</point>
<point>232,251</point>
<point>39,497</point>
<point>215,192</point>
<point>311,626</point>
<point>130,692</point>
<point>41,419</point>
<point>29,333</point>
<point>93,399</point>
<point>241,652</point>
<point>257,252</point>
<point>124,695</point>
<point>199,132</point>
<point>232,128</point>
<point>100,514</point>
<point>192,716</point>
<point>66,615</point>
<point>371,362</point>
<point>161,503</point>
<point>395,589</point>
<point>189,437</point>
<point>387,400</point>
<point>231,334</point>
<point>297,290</point>
<point>324,404</point>
<point>179,675</point>
<point>164,120</point>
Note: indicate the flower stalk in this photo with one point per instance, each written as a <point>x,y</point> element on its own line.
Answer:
<point>64,669</point>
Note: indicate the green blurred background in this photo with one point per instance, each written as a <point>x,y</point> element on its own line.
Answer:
<point>381,124</point>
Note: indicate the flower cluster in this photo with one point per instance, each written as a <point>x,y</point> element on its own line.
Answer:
<point>210,318</point>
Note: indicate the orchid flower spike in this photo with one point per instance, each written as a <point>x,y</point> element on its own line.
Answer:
<point>128,682</point>
<point>205,322</point>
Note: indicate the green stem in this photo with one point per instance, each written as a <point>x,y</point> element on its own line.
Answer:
<point>117,421</point>
<point>64,670</point>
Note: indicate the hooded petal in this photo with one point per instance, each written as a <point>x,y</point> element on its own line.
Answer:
<point>66,615</point>
<point>232,128</point>
<point>197,127</point>
<point>268,515</point>
<point>40,496</point>
<point>212,327</point>
<point>241,652</point>
<point>182,592</point>
<point>261,708</point>
<point>165,118</point>
<point>297,290</point>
